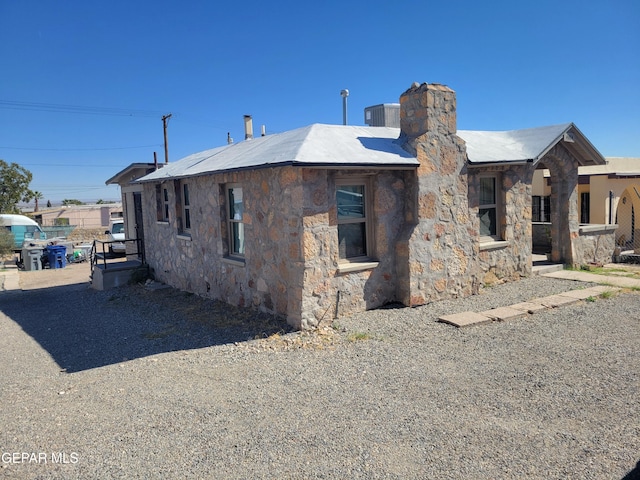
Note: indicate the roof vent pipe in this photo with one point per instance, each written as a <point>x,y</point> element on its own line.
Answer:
<point>229,139</point>
<point>264,131</point>
<point>344,94</point>
<point>248,127</point>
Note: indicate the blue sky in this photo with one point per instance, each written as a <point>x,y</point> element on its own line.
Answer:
<point>512,64</point>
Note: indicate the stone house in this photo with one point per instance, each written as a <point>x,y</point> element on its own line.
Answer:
<point>327,220</point>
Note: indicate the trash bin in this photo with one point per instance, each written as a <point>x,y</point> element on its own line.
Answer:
<point>76,256</point>
<point>57,256</point>
<point>31,258</point>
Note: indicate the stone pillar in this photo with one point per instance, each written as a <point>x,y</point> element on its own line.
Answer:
<point>564,206</point>
<point>437,250</point>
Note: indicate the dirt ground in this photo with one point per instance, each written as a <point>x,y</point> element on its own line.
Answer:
<point>73,273</point>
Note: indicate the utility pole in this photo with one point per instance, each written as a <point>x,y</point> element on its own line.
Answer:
<point>166,144</point>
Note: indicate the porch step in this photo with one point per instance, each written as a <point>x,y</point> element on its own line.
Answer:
<point>544,267</point>
<point>107,276</point>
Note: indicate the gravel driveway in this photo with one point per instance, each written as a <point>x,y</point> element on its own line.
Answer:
<point>138,383</point>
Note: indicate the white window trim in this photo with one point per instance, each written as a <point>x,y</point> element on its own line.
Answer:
<point>165,203</point>
<point>367,261</point>
<point>186,209</point>
<point>497,239</point>
<point>231,254</point>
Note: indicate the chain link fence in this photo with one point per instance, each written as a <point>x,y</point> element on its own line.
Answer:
<point>628,220</point>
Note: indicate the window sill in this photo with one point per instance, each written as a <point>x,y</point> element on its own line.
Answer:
<point>162,222</point>
<point>494,244</point>
<point>587,228</point>
<point>347,267</point>
<point>184,236</point>
<point>238,262</point>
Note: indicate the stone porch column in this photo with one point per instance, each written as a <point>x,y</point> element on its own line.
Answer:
<point>565,220</point>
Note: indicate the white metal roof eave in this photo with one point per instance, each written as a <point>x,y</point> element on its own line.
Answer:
<point>327,166</point>
<point>594,157</point>
<point>502,163</point>
<point>541,155</point>
<point>585,144</point>
<point>354,166</point>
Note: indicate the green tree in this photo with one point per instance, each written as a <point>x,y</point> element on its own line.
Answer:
<point>7,242</point>
<point>71,201</point>
<point>14,186</point>
<point>48,203</point>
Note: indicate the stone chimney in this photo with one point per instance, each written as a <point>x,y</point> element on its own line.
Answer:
<point>248,127</point>
<point>437,249</point>
<point>426,108</point>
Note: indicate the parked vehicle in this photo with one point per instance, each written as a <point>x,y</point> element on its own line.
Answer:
<point>22,228</point>
<point>116,235</point>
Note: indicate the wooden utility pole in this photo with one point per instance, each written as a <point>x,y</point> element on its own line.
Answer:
<point>166,143</point>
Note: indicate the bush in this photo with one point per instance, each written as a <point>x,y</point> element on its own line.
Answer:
<point>7,242</point>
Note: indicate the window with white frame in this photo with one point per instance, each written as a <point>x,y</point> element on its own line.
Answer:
<point>489,208</point>
<point>354,222</point>
<point>186,208</point>
<point>165,204</point>
<point>235,210</point>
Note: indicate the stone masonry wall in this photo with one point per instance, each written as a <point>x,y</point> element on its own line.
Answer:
<point>291,243</point>
<point>597,246</point>
<point>327,291</point>
<point>271,276</point>
<point>437,249</point>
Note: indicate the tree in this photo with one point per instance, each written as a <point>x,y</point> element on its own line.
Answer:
<point>37,196</point>
<point>14,186</point>
<point>48,203</point>
<point>71,201</point>
<point>7,242</point>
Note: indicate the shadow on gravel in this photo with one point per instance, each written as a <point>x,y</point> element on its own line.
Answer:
<point>82,328</point>
<point>633,474</point>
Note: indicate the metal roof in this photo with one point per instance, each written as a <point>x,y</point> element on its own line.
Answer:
<point>340,146</point>
<point>131,172</point>
<point>314,145</point>
<point>527,145</point>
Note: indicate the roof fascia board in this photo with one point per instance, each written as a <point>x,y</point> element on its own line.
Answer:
<point>586,145</point>
<point>505,163</point>
<point>553,144</point>
<point>581,143</point>
<point>133,166</point>
<point>289,163</point>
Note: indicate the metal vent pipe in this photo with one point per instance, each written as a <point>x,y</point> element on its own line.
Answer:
<point>344,94</point>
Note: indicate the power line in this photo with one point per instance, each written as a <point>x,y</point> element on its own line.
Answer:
<point>78,109</point>
<point>65,165</point>
<point>81,149</point>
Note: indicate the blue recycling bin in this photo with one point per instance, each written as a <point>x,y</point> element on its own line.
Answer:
<point>57,256</point>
